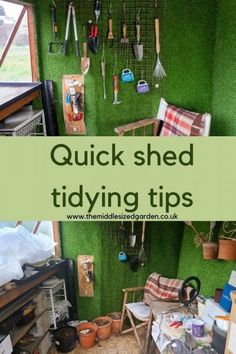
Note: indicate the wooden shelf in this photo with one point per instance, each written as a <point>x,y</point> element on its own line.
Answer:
<point>43,275</point>
<point>20,331</point>
<point>32,346</point>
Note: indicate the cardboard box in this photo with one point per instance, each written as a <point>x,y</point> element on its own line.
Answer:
<point>6,345</point>
<point>226,301</point>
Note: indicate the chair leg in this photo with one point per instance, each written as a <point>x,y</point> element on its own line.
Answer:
<point>148,334</point>
<point>134,328</point>
<point>123,312</point>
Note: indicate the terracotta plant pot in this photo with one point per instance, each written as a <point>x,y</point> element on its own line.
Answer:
<point>227,250</point>
<point>87,334</point>
<point>116,321</point>
<point>210,250</point>
<point>104,327</point>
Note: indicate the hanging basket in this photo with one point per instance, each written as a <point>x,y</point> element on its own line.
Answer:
<point>227,250</point>
<point>210,250</point>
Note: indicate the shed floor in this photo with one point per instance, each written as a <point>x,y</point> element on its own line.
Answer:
<point>116,344</point>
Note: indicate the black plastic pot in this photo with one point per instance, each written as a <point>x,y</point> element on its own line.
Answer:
<point>65,339</point>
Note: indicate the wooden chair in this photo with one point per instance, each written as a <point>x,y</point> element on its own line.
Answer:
<point>134,307</point>
<point>161,295</point>
<point>155,123</point>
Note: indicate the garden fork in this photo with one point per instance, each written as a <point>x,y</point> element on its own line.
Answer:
<point>124,40</point>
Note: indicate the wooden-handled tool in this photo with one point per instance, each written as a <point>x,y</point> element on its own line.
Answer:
<point>116,89</point>
<point>85,61</point>
<point>157,34</point>
<point>159,71</point>
<point>138,47</point>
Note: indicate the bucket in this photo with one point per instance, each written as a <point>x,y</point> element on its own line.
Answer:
<point>87,334</point>
<point>210,250</point>
<point>65,339</point>
<point>227,250</point>
<point>116,321</point>
<point>104,326</point>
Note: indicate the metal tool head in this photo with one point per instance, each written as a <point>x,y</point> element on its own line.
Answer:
<point>97,10</point>
<point>138,51</point>
<point>159,71</point>
<point>55,47</point>
<point>116,101</point>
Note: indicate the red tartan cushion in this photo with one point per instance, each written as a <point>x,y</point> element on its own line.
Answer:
<point>180,122</point>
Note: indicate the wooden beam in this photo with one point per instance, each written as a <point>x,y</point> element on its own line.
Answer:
<point>32,43</point>
<point>12,35</point>
<point>56,234</point>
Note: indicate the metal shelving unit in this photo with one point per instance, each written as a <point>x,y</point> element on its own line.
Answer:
<point>56,293</point>
<point>24,123</point>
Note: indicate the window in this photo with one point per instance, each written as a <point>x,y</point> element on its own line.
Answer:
<point>17,43</point>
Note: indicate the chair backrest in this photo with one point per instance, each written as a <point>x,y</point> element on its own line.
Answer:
<point>162,113</point>
<point>156,123</point>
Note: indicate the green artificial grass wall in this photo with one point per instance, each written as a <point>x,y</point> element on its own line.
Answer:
<point>186,52</point>
<point>163,241</point>
<point>189,53</point>
<point>224,81</point>
<point>212,273</point>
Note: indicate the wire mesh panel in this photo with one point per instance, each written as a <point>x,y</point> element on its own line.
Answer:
<point>125,11</point>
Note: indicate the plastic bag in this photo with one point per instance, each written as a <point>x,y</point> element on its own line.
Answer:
<point>10,269</point>
<point>24,246</point>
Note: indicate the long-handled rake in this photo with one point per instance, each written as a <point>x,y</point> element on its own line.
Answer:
<point>159,71</point>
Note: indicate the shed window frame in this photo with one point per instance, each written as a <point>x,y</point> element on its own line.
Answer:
<point>28,9</point>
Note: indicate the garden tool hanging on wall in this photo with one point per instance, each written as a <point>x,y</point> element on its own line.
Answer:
<point>110,37</point>
<point>142,85</point>
<point>138,47</point>
<point>159,71</point>
<point>71,11</point>
<point>103,68</point>
<point>55,45</point>
<point>142,256</point>
<point>93,29</point>
<point>85,60</point>
<point>124,42</point>
<point>115,83</point>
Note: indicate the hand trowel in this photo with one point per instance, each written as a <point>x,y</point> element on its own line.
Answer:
<point>138,47</point>
<point>85,60</point>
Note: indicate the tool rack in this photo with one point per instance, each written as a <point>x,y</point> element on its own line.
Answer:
<point>149,10</point>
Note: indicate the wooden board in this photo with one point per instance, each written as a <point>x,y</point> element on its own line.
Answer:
<point>73,104</point>
<point>86,288</point>
<point>15,95</point>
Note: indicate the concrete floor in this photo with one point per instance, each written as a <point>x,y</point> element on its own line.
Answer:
<point>116,344</point>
